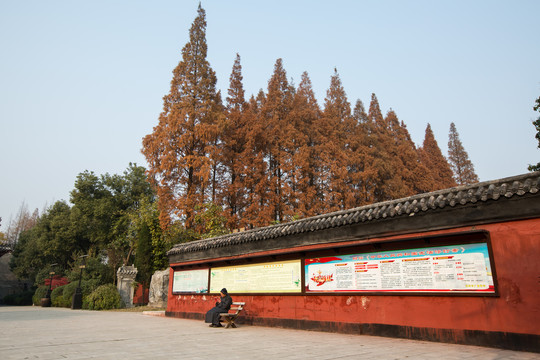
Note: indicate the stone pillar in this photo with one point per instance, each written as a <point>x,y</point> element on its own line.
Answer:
<point>126,277</point>
<point>159,289</point>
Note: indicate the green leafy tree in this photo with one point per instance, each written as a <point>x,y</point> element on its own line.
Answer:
<point>57,239</point>
<point>95,269</point>
<point>536,124</point>
<point>27,261</point>
<point>100,221</point>
<point>210,221</point>
<point>103,209</point>
<point>146,220</point>
<point>51,241</point>
<point>93,209</point>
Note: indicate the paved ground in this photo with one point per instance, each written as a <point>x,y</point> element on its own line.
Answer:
<point>52,333</point>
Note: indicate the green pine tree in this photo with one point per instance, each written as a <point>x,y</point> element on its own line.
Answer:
<point>537,136</point>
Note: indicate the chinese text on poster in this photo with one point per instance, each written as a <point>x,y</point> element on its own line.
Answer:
<point>456,268</point>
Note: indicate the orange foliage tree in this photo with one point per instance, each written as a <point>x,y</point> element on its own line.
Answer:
<point>278,142</point>
<point>233,154</point>
<point>277,156</point>
<point>334,127</point>
<point>459,159</point>
<point>305,159</point>
<point>433,159</point>
<point>180,149</point>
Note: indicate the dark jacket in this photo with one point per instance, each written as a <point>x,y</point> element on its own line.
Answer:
<point>212,316</point>
<point>225,303</point>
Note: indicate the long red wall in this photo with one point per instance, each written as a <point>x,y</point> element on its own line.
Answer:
<point>516,255</point>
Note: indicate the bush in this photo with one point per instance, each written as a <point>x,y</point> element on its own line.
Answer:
<point>105,297</point>
<point>20,299</point>
<point>40,293</point>
<point>57,297</point>
<point>69,290</point>
<point>57,292</point>
<point>90,285</point>
<point>87,287</point>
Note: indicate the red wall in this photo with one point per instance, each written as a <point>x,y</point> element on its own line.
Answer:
<point>516,255</point>
<point>140,297</point>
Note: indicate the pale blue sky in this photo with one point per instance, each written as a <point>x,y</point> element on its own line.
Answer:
<point>81,82</point>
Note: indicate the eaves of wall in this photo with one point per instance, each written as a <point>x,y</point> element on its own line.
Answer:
<point>507,199</point>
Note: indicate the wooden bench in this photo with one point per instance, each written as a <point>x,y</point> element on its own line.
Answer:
<point>234,311</point>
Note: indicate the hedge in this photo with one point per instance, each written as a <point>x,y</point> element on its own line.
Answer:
<point>41,291</point>
<point>105,297</point>
<point>57,298</point>
<point>22,298</point>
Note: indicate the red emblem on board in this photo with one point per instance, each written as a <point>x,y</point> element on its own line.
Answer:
<point>321,279</point>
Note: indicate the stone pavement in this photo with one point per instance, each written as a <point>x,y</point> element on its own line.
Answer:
<point>54,333</point>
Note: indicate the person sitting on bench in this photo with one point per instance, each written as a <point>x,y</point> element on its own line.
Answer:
<point>212,316</point>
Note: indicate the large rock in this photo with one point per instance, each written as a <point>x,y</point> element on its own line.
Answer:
<point>159,288</point>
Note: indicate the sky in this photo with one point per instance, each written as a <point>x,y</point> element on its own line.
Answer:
<point>82,82</point>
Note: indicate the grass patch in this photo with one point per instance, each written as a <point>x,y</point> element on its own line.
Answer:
<point>139,309</point>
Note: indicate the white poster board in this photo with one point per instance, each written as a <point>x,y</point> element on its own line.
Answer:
<point>195,281</point>
<point>458,268</point>
<point>271,277</point>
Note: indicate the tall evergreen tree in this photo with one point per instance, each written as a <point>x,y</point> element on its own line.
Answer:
<point>233,148</point>
<point>388,183</point>
<point>433,159</point>
<point>335,122</point>
<point>256,181</point>
<point>361,169</point>
<point>179,150</point>
<point>536,124</point>
<point>413,177</point>
<point>143,256</point>
<point>274,114</point>
<point>306,162</point>
<point>459,159</point>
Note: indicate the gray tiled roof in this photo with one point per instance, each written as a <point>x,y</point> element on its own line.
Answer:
<point>4,249</point>
<point>127,270</point>
<point>496,190</point>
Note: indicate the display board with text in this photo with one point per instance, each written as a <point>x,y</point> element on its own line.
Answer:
<point>271,277</point>
<point>195,281</point>
<point>456,269</point>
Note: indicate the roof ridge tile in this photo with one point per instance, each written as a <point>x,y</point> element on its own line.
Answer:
<point>428,202</point>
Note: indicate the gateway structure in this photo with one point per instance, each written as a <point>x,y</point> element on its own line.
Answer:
<point>457,265</point>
